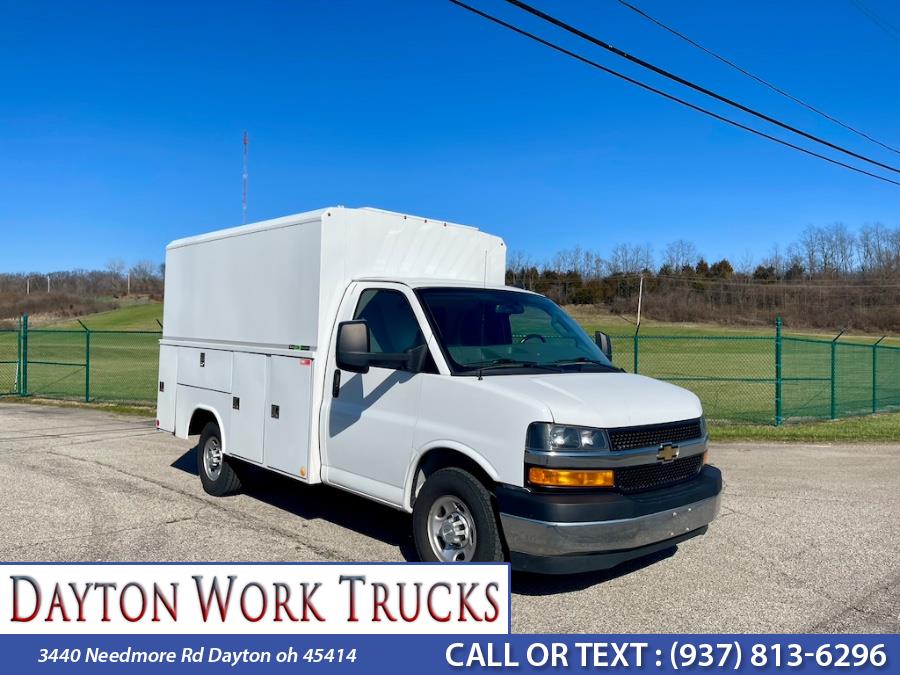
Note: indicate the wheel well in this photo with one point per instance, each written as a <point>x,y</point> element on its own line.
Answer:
<point>443,458</point>
<point>200,419</point>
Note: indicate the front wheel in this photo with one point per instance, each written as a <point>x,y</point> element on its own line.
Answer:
<point>454,520</point>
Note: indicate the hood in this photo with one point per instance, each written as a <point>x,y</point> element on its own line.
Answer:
<point>605,400</point>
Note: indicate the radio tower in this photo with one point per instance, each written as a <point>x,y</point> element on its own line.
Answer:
<point>244,177</point>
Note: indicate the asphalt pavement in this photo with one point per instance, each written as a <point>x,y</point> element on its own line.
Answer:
<point>808,539</point>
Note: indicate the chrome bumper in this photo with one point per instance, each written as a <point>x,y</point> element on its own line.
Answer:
<point>541,538</point>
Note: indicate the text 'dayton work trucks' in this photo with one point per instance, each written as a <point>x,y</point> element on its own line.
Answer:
<point>381,354</point>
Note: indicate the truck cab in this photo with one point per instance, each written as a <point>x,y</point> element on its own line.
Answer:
<point>484,411</point>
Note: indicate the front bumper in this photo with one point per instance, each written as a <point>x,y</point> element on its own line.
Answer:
<point>561,533</point>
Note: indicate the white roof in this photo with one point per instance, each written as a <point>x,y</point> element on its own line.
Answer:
<point>294,219</point>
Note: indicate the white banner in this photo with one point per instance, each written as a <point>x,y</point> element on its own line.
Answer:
<point>254,598</point>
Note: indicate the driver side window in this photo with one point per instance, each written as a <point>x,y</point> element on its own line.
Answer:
<point>393,328</point>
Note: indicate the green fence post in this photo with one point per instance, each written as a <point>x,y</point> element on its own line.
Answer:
<point>23,381</point>
<point>87,362</point>
<point>834,375</point>
<point>875,374</point>
<point>637,341</point>
<point>778,403</point>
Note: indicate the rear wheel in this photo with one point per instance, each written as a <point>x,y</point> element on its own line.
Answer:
<point>217,474</point>
<point>454,520</point>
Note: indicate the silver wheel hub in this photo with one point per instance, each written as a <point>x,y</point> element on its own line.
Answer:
<point>212,458</point>
<point>451,530</point>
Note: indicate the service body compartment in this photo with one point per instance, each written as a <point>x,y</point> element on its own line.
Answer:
<point>248,403</point>
<point>287,414</point>
<point>205,368</point>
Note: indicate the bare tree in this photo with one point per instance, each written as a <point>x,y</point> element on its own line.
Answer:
<point>626,259</point>
<point>681,254</point>
<point>116,266</point>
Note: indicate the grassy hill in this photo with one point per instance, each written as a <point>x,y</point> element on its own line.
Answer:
<point>141,315</point>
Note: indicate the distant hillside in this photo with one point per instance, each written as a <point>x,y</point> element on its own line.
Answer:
<point>137,316</point>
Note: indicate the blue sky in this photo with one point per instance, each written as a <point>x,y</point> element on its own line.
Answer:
<point>121,123</point>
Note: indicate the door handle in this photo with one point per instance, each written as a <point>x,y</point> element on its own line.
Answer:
<point>336,383</point>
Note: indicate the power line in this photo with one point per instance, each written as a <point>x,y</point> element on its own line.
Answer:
<point>881,22</point>
<point>668,96</point>
<point>692,85</point>
<point>746,72</point>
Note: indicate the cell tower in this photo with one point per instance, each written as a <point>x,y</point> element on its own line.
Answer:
<point>244,177</point>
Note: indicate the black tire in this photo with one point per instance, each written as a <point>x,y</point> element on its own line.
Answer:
<point>460,488</point>
<point>224,480</point>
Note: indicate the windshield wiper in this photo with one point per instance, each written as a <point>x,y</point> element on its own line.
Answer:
<point>497,364</point>
<point>585,361</point>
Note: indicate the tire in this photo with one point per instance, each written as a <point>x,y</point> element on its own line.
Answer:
<point>218,477</point>
<point>454,520</point>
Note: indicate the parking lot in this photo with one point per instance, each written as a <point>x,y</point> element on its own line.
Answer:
<point>808,539</point>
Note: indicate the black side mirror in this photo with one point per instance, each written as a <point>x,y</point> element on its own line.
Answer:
<point>604,342</point>
<point>352,351</point>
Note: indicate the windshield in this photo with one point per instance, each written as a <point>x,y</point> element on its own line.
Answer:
<point>483,329</point>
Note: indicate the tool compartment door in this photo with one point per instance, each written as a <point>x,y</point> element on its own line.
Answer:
<point>287,415</point>
<point>248,403</point>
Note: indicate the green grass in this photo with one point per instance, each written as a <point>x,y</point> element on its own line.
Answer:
<point>136,316</point>
<point>884,427</point>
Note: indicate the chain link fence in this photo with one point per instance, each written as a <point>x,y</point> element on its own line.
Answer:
<point>769,379</point>
<point>755,379</point>
<point>89,365</point>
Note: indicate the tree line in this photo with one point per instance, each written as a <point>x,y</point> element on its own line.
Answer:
<point>76,292</point>
<point>144,277</point>
<point>830,277</point>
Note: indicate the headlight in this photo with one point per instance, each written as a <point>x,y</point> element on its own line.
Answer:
<point>546,437</point>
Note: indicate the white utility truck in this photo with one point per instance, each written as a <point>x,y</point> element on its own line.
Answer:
<point>382,354</point>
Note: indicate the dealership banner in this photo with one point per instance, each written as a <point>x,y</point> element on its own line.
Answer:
<point>194,598</point>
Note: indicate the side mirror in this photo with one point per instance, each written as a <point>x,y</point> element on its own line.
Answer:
<point>604,342</point>
<point>352,351</point>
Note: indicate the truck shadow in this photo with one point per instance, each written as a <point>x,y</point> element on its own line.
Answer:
<point>525,583</point>
<point>320,502</point>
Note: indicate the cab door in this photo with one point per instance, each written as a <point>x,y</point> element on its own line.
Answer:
<point>369,418</point>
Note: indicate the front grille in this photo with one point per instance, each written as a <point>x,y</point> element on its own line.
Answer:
<point>626,438</point>
<point>652,476</point>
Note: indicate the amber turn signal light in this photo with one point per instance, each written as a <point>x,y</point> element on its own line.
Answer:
<point>570,477</point>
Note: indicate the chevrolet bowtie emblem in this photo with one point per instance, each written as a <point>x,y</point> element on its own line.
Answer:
<point>667,452</point>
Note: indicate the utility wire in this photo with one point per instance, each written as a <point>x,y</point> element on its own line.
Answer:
<point>687,83</point>
<point>882,23</point>
<point>744,71</point>
<point>668,96</point>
